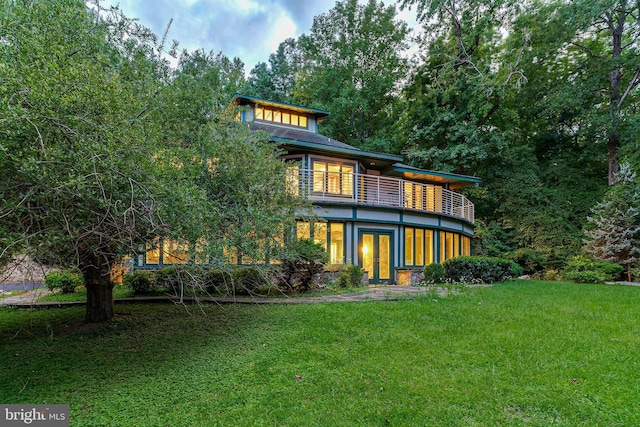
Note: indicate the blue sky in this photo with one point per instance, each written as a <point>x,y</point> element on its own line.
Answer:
<point>248,29</point>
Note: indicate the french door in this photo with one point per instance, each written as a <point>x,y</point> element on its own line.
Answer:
<point>376,250</point>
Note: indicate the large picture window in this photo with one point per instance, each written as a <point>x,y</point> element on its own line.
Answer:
<point>329,235</point>
<point>453,245</point>
<point>333,178</point>
<point>418,246</point>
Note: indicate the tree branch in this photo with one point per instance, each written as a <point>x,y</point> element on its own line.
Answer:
<point>589,51</point>
<point>633,83</point>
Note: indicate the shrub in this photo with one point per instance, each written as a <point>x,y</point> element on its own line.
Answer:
<point>140,281</point>
<point>178,277</point>
<point>350,276</point>
<point>300,265</point>
<point>583,269</point>
<point>248,279</point>
<point>434,273</point>
<point>551,275</point>
<point>530,260</point>
<point>65,280</point>
<point>480,269</point>
<point>218,281</point>
<point>587,276</point>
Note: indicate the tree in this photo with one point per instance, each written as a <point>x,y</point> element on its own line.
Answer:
<point>601,38</point>
<point>613,231</point>
<point>276,81</point>
<point>353,64</point>
<point>96,163</point>
<point>451,119</point>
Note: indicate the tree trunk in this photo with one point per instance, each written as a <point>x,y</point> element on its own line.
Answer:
<point>614,163</point>
<point>99,294</point>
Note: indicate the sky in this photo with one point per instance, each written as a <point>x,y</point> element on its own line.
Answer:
<point>248,29</point>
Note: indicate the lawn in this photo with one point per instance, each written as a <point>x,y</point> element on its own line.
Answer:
<point>519,353</point>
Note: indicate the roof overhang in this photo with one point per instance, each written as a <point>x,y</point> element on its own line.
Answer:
<point>245,99</point>
<point>453,179</point>
<point>364,156</point>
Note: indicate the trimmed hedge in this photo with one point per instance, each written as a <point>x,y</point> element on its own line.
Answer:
<point>479,269</point>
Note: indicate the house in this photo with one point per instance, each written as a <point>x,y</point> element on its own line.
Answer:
<point>390,218</point>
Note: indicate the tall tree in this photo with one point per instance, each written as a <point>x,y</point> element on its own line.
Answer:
<point>277,80</point>
<point>602,38</point>
<point>353,65</point>
<point>469,69</point>
<point>102,151</point>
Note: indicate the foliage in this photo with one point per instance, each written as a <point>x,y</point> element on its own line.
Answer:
<point>353,64</point>
<point>583,269</point>
<point>218,280</point>
<point>276,81</point>
<point>613,230</point>
<point>470,269</point>
<point>300,265</point>
<point>179,278</point>
<point>530,260</point>
<point>350,276</point>
<point>584,276</point>
<point>551,275</point>
<point>140,281</point>
<point>104,148</point>
<point>247,280</point>
<point>65,280</point>
<point>434,273</point>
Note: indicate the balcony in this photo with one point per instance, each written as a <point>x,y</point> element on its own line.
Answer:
<point>372,190</point>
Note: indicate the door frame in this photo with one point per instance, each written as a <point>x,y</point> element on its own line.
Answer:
<point>374,278</point>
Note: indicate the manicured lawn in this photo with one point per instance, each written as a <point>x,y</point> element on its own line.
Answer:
<point>517,354</point>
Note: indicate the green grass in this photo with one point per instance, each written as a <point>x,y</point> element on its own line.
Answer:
<point>517,354</point>
<point>81,294</point>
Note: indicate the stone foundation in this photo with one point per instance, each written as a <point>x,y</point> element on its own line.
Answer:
<point>409,277</point>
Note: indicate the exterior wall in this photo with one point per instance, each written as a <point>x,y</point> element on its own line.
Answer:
<point>358,219</point>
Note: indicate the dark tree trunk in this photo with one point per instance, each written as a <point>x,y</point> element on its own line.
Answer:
<point>614,163</point>
<point>99,293</point>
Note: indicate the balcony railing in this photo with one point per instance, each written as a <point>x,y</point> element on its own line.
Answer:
<point>375,190</point>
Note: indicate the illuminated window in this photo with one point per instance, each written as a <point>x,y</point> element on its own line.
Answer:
<point>174,252</point>
<point>419,246</point>
<point>453,245</point>
<point>273,115</point>
<point>428,240</point>
<point>408,246</point>
<point>152,256</point>
<point>336,237</point>
<point>332,242</point>
<point>333,178</point>
<point>303,230</point>
<point>320,234</point>
<point>466,246</point>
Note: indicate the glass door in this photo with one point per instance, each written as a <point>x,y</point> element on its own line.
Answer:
<point>376,255</point>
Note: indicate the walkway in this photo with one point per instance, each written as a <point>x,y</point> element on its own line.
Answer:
<point>371,293</point>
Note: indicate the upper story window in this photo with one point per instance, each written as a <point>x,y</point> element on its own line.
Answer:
<point>281,117</point>
<point>333,178</point>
